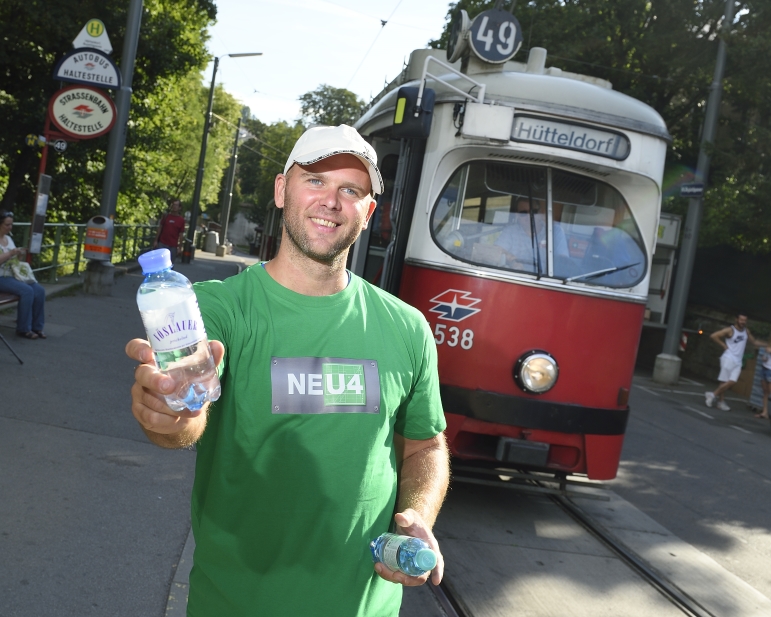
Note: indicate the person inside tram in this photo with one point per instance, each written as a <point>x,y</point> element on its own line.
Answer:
<point>613,249</point>
<point>524,240</point>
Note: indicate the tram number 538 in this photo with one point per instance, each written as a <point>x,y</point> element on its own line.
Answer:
<point>453,336</point>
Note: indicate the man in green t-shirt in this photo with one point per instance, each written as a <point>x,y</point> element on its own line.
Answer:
<point>329,420</point>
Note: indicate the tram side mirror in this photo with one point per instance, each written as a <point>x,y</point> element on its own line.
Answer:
<point>412,118</point>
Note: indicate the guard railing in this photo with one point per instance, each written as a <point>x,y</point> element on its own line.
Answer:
<point>61,253</point>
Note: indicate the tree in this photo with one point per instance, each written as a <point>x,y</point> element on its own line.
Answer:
<point>662,52</point>
<point>331,106</point>
<point>166,118</point>
<point>260,158</point>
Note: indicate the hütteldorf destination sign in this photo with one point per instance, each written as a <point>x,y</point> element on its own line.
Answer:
<point>82,112</point>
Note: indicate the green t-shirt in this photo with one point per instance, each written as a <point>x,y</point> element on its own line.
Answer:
<point>296,471</point>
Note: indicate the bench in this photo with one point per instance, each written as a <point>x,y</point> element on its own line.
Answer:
<point>6,298</point>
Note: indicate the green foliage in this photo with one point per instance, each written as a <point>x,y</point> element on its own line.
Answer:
<point>331,106</point>
<point>260,158</point>
<point>165,121</point>
<point>663,52</point>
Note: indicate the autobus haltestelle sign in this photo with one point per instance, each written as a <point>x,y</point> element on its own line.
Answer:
<point>82,112</point>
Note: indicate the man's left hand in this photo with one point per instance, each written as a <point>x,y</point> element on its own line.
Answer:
<point>410,523</point>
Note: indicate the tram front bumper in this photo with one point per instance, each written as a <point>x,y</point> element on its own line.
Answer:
<point>522,452</point>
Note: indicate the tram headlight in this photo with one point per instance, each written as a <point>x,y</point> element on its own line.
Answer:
<point>536,371</point>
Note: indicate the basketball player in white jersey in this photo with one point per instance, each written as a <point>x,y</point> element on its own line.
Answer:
<point>733,340</point>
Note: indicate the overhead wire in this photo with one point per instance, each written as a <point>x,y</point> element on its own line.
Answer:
<point>383,23</point>
<point>251,136</point>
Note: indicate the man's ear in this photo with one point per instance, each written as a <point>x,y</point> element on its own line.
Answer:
<point>279,188</point>
<point>370,212</point>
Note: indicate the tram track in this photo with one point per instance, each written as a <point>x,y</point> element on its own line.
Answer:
<point>449,600</point>
<point>688,605</point>
<point>453,605</point>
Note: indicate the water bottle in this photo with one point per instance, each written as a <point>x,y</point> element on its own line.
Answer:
<point>176,333</point>
<point>405,553</point>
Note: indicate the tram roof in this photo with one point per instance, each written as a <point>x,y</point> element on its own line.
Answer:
<point>550,91</point>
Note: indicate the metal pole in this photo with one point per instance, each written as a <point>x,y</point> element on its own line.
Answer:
<point>667,369</point>
<point>189,250</point>
<point>117,144</point>
<point>229,191</point>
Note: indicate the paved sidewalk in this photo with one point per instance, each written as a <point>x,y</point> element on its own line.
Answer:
<point>93,518</point>
<point>689,393</point>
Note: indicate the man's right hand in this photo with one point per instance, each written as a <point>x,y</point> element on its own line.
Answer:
<point>150,408</point>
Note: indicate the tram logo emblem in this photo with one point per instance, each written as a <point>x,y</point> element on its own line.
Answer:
<point>82,111</point>
<point>454,305</point>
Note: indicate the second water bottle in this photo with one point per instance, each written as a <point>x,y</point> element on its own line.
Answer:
<point>404,553</point>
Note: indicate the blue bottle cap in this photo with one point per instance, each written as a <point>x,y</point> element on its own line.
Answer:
<point>425,559</point>
<point>155,261</point>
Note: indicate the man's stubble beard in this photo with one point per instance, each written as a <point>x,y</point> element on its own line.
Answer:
<point>298,235</point>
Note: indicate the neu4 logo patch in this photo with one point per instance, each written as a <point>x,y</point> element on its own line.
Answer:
<point>454,305</point>
<point>339,384</point>
<point>312,385</point>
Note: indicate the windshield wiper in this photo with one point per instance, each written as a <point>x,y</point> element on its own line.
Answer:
<point>596,273</point>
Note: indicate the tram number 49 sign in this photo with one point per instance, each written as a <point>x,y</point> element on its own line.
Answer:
<point>453,336</point>
<point>495,36</point>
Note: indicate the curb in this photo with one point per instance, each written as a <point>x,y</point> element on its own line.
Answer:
<point>180,584</point>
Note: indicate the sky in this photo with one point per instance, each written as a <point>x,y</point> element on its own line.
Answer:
<point>306,43</point>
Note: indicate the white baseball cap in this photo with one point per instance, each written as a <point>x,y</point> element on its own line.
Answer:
<point>321,142</point>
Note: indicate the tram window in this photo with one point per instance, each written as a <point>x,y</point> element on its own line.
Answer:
<point>604,242</point>
<point>496,215</point>
<point>380,234</point>
<point>380,225</point>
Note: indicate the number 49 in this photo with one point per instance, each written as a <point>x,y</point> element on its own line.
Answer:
<point>506,35</point>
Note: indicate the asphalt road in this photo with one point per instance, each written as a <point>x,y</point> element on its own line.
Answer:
<point>703,474</point>
<point>92,516</point>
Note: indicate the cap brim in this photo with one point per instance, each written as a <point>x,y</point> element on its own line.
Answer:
<point>374,173</point>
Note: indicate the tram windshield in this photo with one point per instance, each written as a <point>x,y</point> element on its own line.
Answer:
<point>540,221</point>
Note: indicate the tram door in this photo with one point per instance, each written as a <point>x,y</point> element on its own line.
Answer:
<point>379,253</point>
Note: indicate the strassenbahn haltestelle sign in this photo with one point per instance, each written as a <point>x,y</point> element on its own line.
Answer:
<point>82,112</point>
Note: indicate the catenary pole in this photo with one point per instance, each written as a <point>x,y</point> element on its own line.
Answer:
<point>117,143</point>
<point>229,192</point>
<point>189,250</point>
<point>667,368</point>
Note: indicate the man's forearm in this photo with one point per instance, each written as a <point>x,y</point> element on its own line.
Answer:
<point>423,480</point>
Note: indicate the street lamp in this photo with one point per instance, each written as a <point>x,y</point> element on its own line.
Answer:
<point>228,197</point>
<point>189,250</point>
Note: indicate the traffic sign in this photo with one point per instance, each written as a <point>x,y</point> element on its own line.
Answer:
<point>692,189</point>
<point>495,36</point>
<point>82,112</point>
<point>35,140</point>
<point>93,35</point>
<point>60,145</point>
<point>90,67</point>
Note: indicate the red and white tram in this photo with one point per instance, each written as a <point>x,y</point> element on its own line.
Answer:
<point>520,216</point>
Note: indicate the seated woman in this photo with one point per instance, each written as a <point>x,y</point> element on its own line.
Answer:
<point>30,313</point>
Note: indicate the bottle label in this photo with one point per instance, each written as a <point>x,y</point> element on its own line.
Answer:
<point>174,327</point>
<point>391,551</point>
